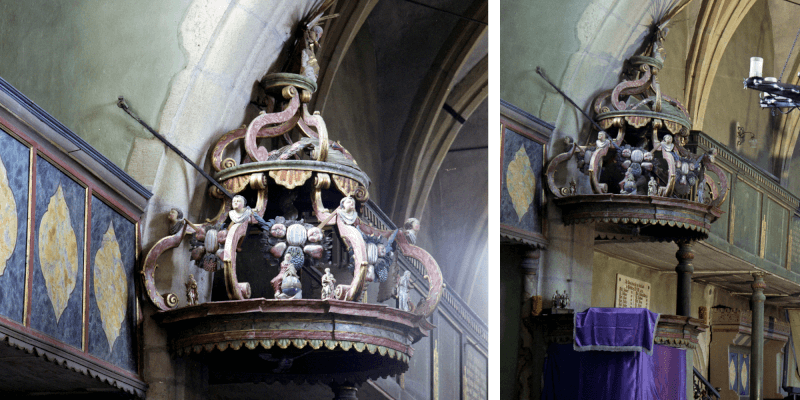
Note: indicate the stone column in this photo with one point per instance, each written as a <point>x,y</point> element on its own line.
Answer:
<point>529,267</point>
<point>757,337</point>
<point>683,305</point>
<point>344,391</point>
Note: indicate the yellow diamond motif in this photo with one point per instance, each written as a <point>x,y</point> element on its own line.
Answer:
<point>8,214</point>
<point>110,285</point>
<point>732,375</point>
<point>521,182</point>
<point>58,252</point>
<point>743,375</point>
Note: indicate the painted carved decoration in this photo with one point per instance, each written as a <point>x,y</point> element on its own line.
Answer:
<point>641,147</point>
<point>58,252</point>
<point>110,285</point>
<point>641,155</point>
<point>8,214</point>
<point>298,226</point>
<point>296,235</point>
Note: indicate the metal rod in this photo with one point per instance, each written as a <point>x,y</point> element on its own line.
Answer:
<point>789,56</point>
<point>468,149</point>
<point>124,106</point>
<point>540,71</point>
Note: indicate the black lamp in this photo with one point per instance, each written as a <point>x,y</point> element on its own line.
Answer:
<point>774,94</point>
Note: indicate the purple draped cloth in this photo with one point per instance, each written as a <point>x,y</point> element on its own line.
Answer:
<point>603,375</point>
<point>615,329</point>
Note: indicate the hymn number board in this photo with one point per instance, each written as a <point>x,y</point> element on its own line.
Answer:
<point>632,293</point>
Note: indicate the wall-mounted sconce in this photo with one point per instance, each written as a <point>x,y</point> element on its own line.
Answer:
<point>741,135</point>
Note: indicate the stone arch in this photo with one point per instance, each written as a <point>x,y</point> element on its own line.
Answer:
<point>464,98</point>
<point>787,130</point>
<point>425,137</point>
<point>467,282</point>
<point>716,24</point>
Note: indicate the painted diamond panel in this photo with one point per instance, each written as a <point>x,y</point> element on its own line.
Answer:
<point>15,158</point>
<point>111,287</point>
<point>57,297</point>
<point>521,190</point>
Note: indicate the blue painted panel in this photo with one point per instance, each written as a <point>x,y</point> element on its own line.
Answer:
<point>733,358</point>
<point>69,328</point>
<point>744,374</point>
<point>531,219</point>
<point>122,352</point>
<point>16,158</point>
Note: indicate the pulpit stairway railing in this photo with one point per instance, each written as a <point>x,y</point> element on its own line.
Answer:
<point>703,389</point>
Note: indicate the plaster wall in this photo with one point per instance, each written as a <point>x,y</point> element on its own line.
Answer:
<point>75,58</point>
<point>549,43</point>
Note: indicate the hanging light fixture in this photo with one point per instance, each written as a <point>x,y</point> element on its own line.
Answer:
<point>774,93</point>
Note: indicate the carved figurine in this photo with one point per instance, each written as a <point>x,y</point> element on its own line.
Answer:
<point>652,187</point>
<point>290,284</point>
<point>345,218</point>
<point>328,283</point>
<point>602,140</point>
<point>240,212</point>
<point>278,279</point>
<point>664,145</point>
<point>628,185</point>
<point>176,220</point>
<point>411,229</point>
<point>191,291</point>
<point>403,300</point>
